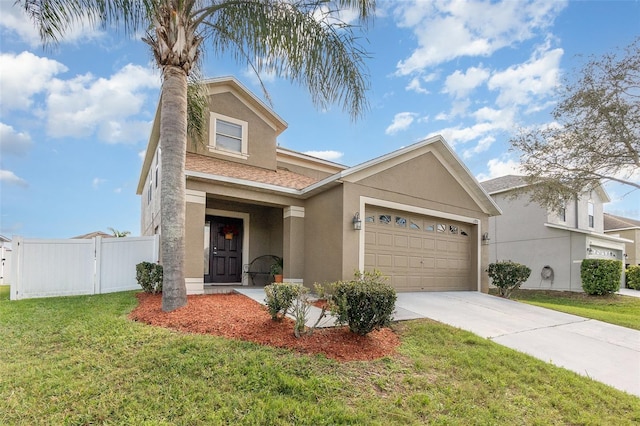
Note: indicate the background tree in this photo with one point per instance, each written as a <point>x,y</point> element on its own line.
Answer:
<point>118,234</point>
<point>302,40</point>
<point>595,137</point>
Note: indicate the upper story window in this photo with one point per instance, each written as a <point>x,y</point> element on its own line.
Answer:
<point>590,210</point>
<point>562,214</point>
<point>229,135</point>
<point>157,169</point>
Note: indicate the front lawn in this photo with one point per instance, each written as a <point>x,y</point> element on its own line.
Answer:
<point>79,360</point>
<point>614,309</point>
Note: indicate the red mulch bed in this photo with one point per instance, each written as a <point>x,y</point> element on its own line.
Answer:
<point>238,317</point>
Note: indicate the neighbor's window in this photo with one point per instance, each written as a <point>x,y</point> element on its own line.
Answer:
<point>590,209</point>
<point>229,134</point>
<point>562,214</point>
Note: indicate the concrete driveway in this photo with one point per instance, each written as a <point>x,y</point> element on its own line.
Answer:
<point>604,352</point>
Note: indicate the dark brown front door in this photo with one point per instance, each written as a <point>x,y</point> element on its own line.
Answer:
<point>225,250</point>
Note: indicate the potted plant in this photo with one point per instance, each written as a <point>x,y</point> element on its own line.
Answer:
<point>276,270</point>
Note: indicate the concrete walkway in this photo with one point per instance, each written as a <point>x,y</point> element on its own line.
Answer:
<point>604,352</point>
<point>629,292</point>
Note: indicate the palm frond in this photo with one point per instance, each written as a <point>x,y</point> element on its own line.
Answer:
<point>299,41</point>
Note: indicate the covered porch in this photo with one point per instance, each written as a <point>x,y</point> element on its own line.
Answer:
<point>225,234</point>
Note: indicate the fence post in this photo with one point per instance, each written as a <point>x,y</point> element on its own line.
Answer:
<point>97,264</point>
<point>16,268</point>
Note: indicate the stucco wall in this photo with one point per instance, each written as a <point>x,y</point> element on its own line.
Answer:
<point>150,208</point>
<point>261,137</point>
<point>324,227</point>
<point>632,249</point>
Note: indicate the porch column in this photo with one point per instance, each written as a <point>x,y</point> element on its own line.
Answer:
<point>293,244</point>
<point>194,241</point>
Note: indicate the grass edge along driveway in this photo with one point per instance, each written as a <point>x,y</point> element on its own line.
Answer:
<point>79,360</point>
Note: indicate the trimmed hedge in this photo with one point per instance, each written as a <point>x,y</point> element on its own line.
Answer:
<point>633,277</point>
<point>508,276</point>
<point>365,303</point>
<point>149,276</point>
<point>600,276</point>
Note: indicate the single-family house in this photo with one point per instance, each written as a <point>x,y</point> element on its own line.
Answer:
<point>5,259</point>
<point>416,214</point>
<point>629,229</point>
<point>551,243</point>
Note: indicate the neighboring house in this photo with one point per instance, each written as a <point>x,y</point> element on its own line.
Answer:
<point>419,211</point>
<point>629,229</point>
<point>92,235</point>
<point>552,244</point>
<point>5,259</point>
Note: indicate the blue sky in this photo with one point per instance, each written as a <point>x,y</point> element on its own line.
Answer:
<point>75,119</point>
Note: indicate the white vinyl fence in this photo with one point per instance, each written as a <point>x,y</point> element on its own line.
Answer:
<point>46,268</point>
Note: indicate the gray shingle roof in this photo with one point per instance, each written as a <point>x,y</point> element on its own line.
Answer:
<point>503,183</point>
<point>612,222</point>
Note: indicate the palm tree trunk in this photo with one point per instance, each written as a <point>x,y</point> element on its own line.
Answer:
<point>173,143</point>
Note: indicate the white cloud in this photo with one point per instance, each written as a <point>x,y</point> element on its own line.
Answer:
<point>13,20</point>
<point>85,104</point>
<point>523,83</point>
<point>415,84</point>
<point>13,142</point>
<point>498,167</point>
<point>460,84</point>
<point>328,155</point>
<point>10,178</point>
<point>23,76</point>
<point>446,30</point>
<point>482,146</point>
<point>401,121</point>
<point>97,182</point>
<point>488,122</point>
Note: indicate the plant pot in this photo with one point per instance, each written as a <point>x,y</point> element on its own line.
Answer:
<point>278,278</point>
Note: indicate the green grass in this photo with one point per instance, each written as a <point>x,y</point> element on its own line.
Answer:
<point>4,292</point>
<point>614,309</point>
<point>79,360</point>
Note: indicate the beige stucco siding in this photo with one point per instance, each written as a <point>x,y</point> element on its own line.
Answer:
<point>261,137</point>
<point>323,245</point>
<point>423,181</point>
<point>632,249</point>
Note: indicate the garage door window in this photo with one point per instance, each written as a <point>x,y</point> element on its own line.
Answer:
<point>370,219</point>
<point>414,225</point>
<point>453,229</point>
<point>385,219</point>
<point>442,227</point>
<point>429,228</point>
<point>401,221</point>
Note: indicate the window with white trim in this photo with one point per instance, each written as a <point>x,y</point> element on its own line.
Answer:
<point>228,135</point>
<point>590,211</point>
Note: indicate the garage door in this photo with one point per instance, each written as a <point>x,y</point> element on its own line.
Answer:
<point>418,253</point>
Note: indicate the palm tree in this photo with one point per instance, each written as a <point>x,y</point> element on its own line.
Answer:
<point>302,40</point>
<point>118,234</point>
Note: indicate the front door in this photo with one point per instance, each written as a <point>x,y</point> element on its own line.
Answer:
<point>225,250</point>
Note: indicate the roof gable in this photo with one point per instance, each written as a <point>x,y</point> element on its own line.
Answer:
<point>435,145</point>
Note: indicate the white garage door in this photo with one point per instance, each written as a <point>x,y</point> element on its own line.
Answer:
<point>418,253</point>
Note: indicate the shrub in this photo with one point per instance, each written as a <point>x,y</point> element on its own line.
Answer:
<point>280,298</point>
<point>149,276</point>
<point>508,276</point>
<point>600,276</point>
<point>633,277</point>
<point>365,303</point>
